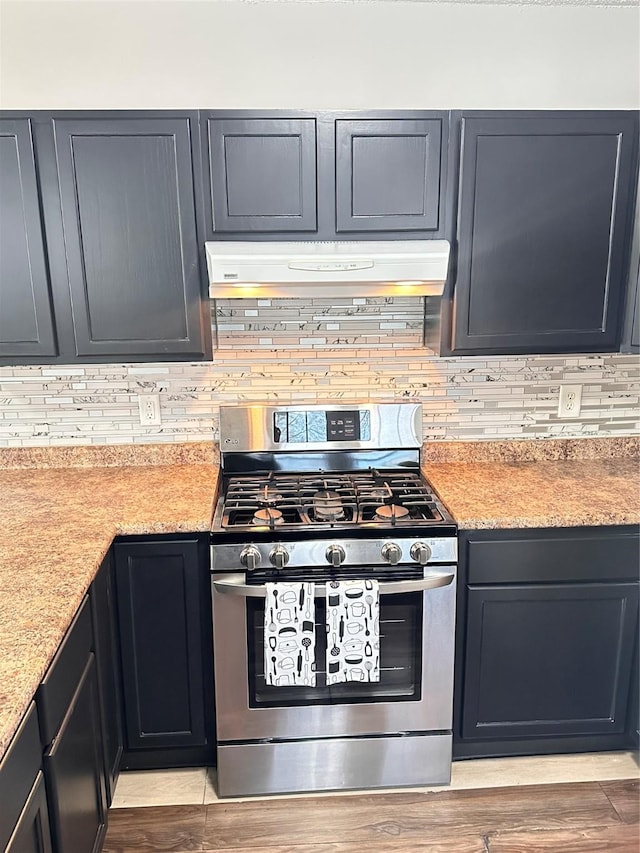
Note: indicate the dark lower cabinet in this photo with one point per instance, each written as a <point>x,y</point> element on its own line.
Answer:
<point>547,638</point>
<point>24,817</point>
<point>105,629</point>
<point>70,725</point>
<point>74,770</point>
<point>32,833</point>
<point>164,608</point>
<point>544,231</point>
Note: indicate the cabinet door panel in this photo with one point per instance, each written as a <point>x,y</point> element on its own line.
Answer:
<point>129,221</point>
<point>548,660</point>
<point>159,604</point>
<point>262,174</point>
<point>107,659</point>
<point>32,834</point>
<point>74,772</point>
<point>26,318</point>
<point>542,229</point>
<point>387,174</point>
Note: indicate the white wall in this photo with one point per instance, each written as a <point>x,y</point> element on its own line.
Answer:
<point>86,54</point>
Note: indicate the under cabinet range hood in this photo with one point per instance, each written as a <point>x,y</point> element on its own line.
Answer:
<point>327,269</point>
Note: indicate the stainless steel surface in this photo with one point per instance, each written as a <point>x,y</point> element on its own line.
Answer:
<point>358,552</point>
<point>249,429</point>
<point>333,764</point>
<point>391,553</point>
<point>420,552</point>
<point>336,555</point>
<point>230,584</point>
<point>279,556</point>
<point>236,720</point>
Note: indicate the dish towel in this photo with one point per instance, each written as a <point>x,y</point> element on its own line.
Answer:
<point>289,635</point>
<point>353,631</point>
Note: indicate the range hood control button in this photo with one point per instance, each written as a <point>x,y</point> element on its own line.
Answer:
<point>421,553</point>
<point>335,555</point>
<point>392,553</point>
<point>279,557</point>
<point>250,557</point>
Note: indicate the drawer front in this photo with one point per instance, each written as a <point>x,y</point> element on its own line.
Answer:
<point>18,771</point>
<point>32,833</point>
<point>60,682</point>
<point>539,556</point>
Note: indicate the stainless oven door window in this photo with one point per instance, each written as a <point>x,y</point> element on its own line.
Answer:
<point>400,659</point>
<point>415,698</point>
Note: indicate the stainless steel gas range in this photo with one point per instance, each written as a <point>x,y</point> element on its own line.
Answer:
<point>321,493</point>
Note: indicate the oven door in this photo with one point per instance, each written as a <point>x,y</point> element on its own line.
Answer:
<point>414,694</point>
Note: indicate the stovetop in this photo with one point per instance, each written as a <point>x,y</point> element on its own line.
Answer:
<point>371,499</point>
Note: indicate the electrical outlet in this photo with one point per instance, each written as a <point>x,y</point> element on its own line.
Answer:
<point>149,406</point>
<point>569,401</point>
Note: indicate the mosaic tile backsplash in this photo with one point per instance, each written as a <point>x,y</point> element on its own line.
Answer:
<point>293,354</point>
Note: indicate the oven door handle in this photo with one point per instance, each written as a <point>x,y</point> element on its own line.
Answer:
<point>235,585</point>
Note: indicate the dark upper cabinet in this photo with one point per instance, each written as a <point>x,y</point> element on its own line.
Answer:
<point>130,237</point>
<point>26,314</point>
<point>544,220</point>
<point>324,176</point>
<point>165,629</point>
<point>388,174</point>
<point>101,238</point>
<point>262,174</point>
<point>547,637</point>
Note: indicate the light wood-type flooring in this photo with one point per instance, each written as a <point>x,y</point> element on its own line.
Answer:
<point>580,817</point>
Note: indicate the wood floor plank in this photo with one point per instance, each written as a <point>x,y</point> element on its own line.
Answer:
<point>154,829</point>
<point>618,838</point>
<point>442,845</point>
<point>411,817</point>
<point>625,798</point>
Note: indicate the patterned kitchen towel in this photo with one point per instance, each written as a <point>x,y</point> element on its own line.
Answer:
<point>353,631</point>
<point>289,635</point>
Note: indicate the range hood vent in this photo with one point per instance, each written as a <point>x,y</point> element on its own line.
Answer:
<point>327,269</point>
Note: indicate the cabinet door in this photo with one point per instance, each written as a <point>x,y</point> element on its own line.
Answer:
<point>74,772</point>
<point>26,318</point>
<point>32,833</point>
<point>262,174</point>
<point>129,220</point>
<point>103,608</point>
<point>160,604</point>
<point>547,659</point>
<point>388,174</point>
<point>543,226</point>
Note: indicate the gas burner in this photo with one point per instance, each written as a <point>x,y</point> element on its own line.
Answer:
<point>381,492</point>
<point>268,496</point>
<point>268,516</point>
<point>327,506</point>
<point>391,512</point>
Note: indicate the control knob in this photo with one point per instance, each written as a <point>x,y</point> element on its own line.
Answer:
<point>421,553</point>
<point>250,557</point>
<point>279,557</point>
<point>392,553</point>
<point>335,555</point>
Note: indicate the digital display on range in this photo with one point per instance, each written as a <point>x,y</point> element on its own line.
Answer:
<point>307,427</point>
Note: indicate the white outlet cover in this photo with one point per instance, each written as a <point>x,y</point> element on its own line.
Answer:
<point>569,401</point>
<point>149,408</point>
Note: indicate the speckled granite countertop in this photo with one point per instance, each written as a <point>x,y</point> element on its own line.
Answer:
<point>56,527</point>
<point>564,493</point>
